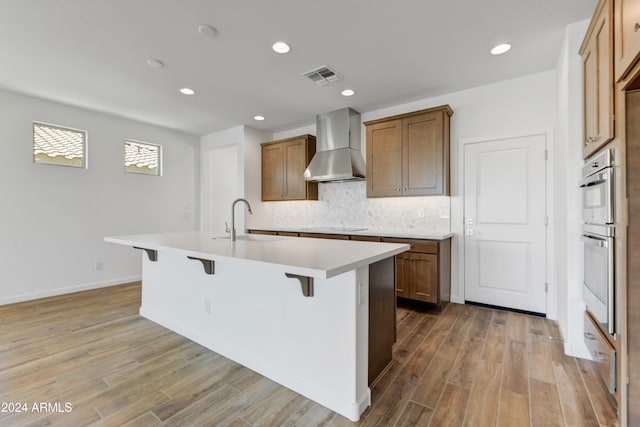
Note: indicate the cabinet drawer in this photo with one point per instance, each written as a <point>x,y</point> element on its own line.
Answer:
<point>604,355</point>
<point>266,232</point>
<point>366,238</point>
<point>325,236</point>
<point>423,246</point>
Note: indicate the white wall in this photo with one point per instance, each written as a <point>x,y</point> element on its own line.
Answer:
<point>219,183</point>
<point>222,183</point>
<point>53,218</point>
<point>221,162</point>
<point>567,198</point>
<point>290,133</point>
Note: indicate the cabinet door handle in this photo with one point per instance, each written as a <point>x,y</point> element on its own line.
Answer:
<point>589,336</point>
<point>599,356</point>
<point>592,139</point>
<point>397,189</point>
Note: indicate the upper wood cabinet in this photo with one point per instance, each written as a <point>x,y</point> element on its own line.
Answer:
<point>626,36</point>
<point>596,52</point>
<point>283,165</point>
<point>408,154</point>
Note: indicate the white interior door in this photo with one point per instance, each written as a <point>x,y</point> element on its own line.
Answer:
<point>505,216</point>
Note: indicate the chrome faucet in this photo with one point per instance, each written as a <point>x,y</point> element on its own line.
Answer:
<point>233,216</point>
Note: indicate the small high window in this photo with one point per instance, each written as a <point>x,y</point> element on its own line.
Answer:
<point>57,145</point>
<point>142,157</point>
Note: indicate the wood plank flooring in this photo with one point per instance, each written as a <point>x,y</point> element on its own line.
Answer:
<point>467,366</point>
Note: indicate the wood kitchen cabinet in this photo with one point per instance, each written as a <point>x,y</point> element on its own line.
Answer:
<point>283,165</point>
<point>626,36</point>
<point>324,236</point>
<point>597,59</point>
<point>408,154</point>
<point>402,275</point>
<point>632,289</point>
<point>424,273</point>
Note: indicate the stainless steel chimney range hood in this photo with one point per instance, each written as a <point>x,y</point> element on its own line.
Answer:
<point>338,156</point>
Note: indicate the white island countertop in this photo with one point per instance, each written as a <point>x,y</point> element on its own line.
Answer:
<point>319,258</point>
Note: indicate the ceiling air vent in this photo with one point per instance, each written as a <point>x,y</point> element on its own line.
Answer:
<point>322,75</point>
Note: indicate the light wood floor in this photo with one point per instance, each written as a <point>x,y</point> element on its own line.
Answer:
<point>467,366</point>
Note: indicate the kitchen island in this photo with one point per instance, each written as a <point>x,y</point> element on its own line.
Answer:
<point>294,310</point>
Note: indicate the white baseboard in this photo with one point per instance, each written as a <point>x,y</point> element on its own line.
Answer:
<point>69,290</point>
<point>456,299</point>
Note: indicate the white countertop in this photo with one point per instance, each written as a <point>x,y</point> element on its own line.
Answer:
<point>355,231</point>
<point>319,258</point>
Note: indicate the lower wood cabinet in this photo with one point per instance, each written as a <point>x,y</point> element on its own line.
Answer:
<point>424,273</point>
<point>402,275</point>
<point>325,236</point>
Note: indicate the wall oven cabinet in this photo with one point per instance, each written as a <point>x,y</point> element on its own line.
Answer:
<point>598,233</point>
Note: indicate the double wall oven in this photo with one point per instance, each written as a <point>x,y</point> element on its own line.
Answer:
<point>598,233</point>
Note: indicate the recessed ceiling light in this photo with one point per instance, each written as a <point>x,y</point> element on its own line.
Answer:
<point>207,30</point>
<point>258,118</point>
<point>348,92</point>
<point>500,49</point>
<point>187,91</point>
<point>155,63</point>
<point>281,47</point>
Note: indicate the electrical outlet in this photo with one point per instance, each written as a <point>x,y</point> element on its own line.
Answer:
<point>362,294</point>
<point>444,213</point>
<point>421,213</point>
<point>207,306</point>
<point>99,265</point>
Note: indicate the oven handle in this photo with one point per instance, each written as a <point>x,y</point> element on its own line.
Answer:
<point>594,179</point>
<point>595,241</point>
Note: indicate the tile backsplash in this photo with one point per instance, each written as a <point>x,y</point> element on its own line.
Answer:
<point>345,204</point>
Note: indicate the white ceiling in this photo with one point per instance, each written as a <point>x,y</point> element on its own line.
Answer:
<point>92,53</point>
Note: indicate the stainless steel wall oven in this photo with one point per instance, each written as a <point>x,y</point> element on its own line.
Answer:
<point>598,233</point>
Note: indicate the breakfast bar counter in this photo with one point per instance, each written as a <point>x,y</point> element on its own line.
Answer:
<point>295,310</point>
